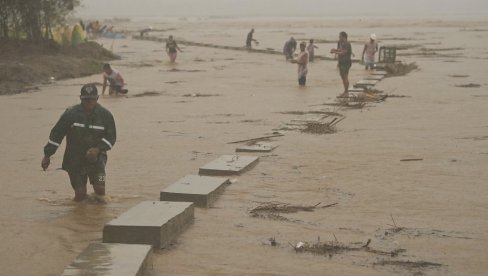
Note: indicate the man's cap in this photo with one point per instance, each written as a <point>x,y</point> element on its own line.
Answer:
<point>373,37</point>
<point>89,91</point>
<point>303,43</point>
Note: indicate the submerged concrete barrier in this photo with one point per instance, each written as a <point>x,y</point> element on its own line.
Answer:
<point>229,165</point>
<point>201,190</point>
<point>157,223</point>
<point>365,83</point>
<point>257,147</point>
<point>111,259</point>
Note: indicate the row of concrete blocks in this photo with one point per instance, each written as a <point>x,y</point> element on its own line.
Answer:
<point>126,248</point>
<point>368,82</point>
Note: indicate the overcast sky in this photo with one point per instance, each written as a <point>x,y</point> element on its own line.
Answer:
<point>192,8</point>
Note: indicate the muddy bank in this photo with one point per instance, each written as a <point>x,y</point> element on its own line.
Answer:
<point>24,65</point>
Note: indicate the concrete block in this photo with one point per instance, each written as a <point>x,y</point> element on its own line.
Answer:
<point>355,90</point>
<point>157,223</point>
<point>380,72</point>
<point>111,259</point>
<point>257,147</point>
<point>229,165</point>
<point>315,119</point>
<point>375,77</point>
<point>365,83</point>
<point>201,190</point>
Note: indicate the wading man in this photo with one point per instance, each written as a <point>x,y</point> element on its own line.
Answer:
<point>302,61</point>
<point>289,48</point>
<point>343,52</point>
<point>90,132</point>
<point>250,39</point>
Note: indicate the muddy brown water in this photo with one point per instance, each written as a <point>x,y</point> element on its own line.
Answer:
<point>358,167</point>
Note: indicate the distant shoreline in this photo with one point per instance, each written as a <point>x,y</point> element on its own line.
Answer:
<point>463,18</point>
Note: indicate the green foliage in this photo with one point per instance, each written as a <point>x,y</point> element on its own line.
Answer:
<point>32,19</point>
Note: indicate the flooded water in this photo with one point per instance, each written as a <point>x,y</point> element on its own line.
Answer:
<point>167,135</point>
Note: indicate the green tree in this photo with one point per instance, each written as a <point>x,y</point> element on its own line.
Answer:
<point>32,19</point>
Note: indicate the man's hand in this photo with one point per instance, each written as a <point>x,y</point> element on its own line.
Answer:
<point>92,154</point>
<point>45,162</point>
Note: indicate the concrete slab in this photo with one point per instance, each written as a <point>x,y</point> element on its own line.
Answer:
<point>315,119</point>
<point>229,165</point>
<point>380,72</point>
<point>355,90</point>
<point>365,83</point>
<point>257,147</point>
<point>375,77</point>
<point>201,190</point>
<point>157,223</point>
<point>111,259</point>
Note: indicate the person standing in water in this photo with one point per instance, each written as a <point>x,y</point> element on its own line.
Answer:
<point>369,52</point>
<point>172,49</point>
<point>311,50</point>
<point>250,39</point>
<point>302,61</point>
<point>344,52</point>
<point>90,132</point>
<point>289,48</point>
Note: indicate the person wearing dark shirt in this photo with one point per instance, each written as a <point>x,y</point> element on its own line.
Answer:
<point>344,52</point>
<point>290,48</point>
<point>90,132</point>
<point>250,39</point>
<point>172,48</point>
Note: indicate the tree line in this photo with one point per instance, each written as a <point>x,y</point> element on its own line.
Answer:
<point>32,19</point>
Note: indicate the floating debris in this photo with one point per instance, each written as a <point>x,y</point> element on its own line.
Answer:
<point>399,68</point>
<point>272,210</point>
<point>469,85</point>
<point>409,264</point>
<point>201,95</point>
<point>148,93</point>
<point>331,248</point>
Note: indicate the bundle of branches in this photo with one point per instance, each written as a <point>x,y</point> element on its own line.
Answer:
<point>280,207</point>
<point>272,210</point>
<point>344,102</point>
<point>469,85</point>
<point>400,68</point>
<point>409,264</point>
<point>322,128</point>
<point>335,247</point>
<point>319,128</point>
<point>365,97</point>
<point>373,91</point>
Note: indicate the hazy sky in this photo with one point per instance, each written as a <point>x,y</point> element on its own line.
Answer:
<point>192,8</point>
